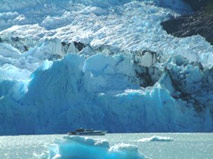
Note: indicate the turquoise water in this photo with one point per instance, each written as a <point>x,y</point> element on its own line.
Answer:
<point>184,146</point>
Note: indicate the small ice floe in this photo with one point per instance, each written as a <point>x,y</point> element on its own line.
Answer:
<point>77,147</point>
<point>156,139</point>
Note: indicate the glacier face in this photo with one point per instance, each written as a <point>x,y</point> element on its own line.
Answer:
<point>103,92</point>
<point>103,65</point>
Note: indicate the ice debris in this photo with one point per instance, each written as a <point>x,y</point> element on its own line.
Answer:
<point>87,148</point>
<point>156,139</point>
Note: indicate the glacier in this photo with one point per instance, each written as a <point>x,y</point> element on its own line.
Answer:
<point>102,65</point>
<point>101,92</point>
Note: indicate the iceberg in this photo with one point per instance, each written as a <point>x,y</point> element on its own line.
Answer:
<point>156,139</point>
<point>82,147</point>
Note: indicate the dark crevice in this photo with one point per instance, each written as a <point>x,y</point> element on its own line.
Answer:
<point>80,46</point>
<point>185,96</point>
<point>146,77</point>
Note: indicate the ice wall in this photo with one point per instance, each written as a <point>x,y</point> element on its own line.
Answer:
<point>100,92</point>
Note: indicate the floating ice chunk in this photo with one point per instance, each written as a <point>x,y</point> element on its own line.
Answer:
<point>83,147</point>
<point>156,138</point>
<point>124,151</point>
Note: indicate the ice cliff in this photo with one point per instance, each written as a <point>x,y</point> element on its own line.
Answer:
<point>102,65</point>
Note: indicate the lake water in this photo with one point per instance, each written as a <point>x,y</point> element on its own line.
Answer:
<point>184,146</point>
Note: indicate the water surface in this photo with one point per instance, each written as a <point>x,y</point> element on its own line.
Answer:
<point>184,146</point>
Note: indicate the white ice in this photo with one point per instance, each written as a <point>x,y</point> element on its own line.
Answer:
<point>83,147</point>
<point>156,139</point>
